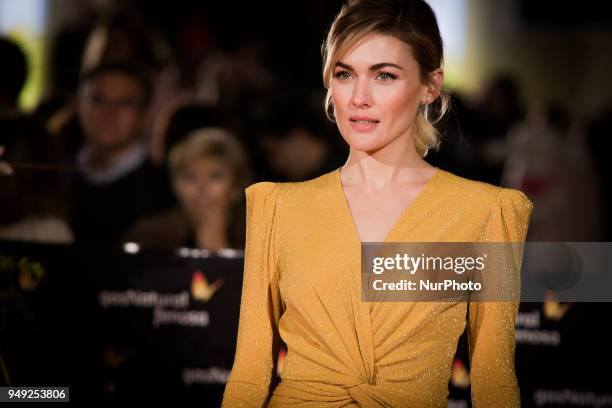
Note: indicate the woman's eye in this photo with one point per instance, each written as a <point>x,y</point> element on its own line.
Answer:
<point>217,176</point>
<point>385,76</point>
<point>188,177</point>
<point>342,75</point>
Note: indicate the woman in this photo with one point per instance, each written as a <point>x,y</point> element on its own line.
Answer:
<point>209,170</point>
<point>302,263</point>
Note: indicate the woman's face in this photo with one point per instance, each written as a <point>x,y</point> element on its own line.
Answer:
<point>376,91</point>
<point>204,185</point>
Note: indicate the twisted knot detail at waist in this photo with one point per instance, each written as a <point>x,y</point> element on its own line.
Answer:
<point>362,394</point>
<point>354,392</point>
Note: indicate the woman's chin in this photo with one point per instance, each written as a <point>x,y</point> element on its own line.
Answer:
<point>365,143</point>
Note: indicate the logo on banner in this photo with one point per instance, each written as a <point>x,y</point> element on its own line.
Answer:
<point>201,289</point>
<point>553,309</point>
<point>460,377</point>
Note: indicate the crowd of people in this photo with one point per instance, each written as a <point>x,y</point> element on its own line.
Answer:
<point>142,139</point>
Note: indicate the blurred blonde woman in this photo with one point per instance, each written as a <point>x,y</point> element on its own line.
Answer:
<point>209,171</point>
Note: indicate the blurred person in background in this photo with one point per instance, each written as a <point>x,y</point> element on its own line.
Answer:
<point>13,74</point>
<point>599,143</point>
<point>120,33</point>
<point>64,56</point>
<point>178,119</point>
<point>116,33</point>
<point>298,142</point>
<point>5,167</point>
<point>209,170</point>
<point>33,197</point>
<point>548,160</point>
<point>117,183</point>
<point>491,118</point>
<point>237,79</point>
<point>32,200</point>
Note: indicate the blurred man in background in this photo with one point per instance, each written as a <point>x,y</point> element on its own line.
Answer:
<point>117,183</point>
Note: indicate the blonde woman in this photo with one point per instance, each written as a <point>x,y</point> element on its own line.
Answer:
<point>209,170</point>
<point>382,71</point>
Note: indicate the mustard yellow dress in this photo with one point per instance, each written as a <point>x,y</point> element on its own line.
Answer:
<point>302,286</point>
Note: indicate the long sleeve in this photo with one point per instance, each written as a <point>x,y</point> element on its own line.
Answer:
<point>250,380</point>
<point>491,330</point>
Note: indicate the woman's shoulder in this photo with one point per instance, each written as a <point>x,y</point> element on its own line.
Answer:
<point>260,188</point>
<point>304,188</point>
<point>480,193</point>
<point>450,187</point>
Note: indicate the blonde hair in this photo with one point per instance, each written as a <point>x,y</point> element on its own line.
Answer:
<point>411,21</point>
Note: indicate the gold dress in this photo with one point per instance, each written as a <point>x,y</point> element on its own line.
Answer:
<point>302,286</point>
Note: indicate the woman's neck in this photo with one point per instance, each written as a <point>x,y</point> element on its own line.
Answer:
<point>211,233</point>
<point>369,170</point>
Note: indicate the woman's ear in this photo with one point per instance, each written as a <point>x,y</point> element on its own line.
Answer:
<point>329,107</point>
<point>435,85</point>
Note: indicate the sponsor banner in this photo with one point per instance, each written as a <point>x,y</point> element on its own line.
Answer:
<point>120,323</point>
<point>144,325</point>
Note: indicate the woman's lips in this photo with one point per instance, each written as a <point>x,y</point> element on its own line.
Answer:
<point>363,125</point>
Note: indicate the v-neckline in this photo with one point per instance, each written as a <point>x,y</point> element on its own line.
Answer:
<point>405,212</point>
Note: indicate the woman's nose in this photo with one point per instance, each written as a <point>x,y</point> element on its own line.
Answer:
<point>361,94</point>
<point>203,189</point>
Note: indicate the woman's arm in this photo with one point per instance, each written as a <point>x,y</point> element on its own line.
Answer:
<point>491,330</point>
<point>249,384</point>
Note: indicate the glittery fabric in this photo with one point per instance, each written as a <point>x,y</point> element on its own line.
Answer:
<point>302,286</point>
